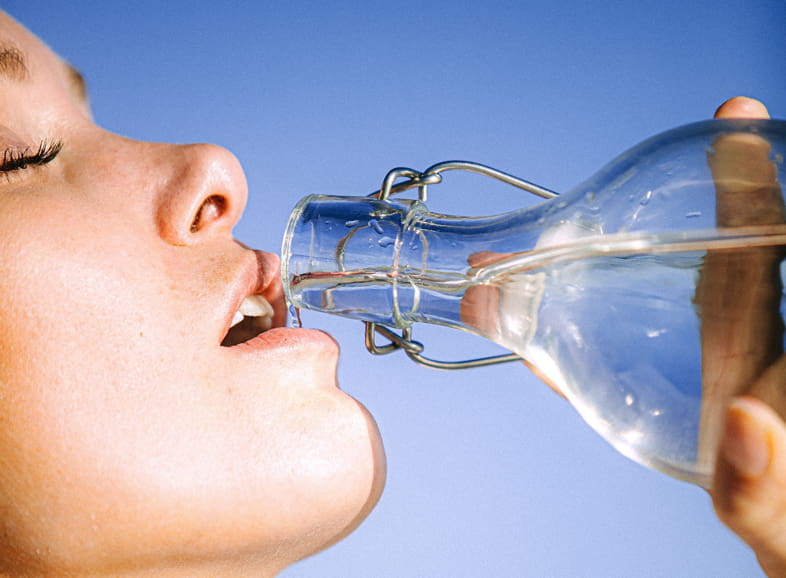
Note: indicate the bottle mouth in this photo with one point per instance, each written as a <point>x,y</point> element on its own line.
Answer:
<point>337,242</point>
<point>291,236</point>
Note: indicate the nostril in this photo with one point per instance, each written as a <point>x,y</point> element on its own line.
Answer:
<point>211,209</point>
<point>199,192</point>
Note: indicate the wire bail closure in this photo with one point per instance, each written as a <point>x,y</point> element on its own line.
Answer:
<point>421,181</point>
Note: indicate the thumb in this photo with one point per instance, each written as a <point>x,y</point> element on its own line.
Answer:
<point>749,490</point>
<point>742,107</point>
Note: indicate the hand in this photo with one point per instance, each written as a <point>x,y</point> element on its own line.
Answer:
<point>744,354</point>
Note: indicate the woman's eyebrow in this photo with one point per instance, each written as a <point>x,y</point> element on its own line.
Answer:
<point>13,66</point>
<point>12,63</point>
<point>77,81</point>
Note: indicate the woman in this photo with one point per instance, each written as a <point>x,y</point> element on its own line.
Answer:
<point>140,431</point>
<point>143,431</point>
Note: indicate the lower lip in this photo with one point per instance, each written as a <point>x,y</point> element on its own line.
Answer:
<point>280,339</point>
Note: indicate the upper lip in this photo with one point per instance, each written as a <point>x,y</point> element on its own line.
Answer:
<point>259,275</point>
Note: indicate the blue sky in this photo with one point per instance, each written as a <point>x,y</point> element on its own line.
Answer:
<point>490,474</point>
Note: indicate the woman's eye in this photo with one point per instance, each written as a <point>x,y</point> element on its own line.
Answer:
<point>15,159</point>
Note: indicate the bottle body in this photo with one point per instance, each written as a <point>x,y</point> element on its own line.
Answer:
<point>619,293</point>
<point>625,352</point>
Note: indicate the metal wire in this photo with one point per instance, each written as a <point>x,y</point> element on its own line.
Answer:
<point>421,180</point>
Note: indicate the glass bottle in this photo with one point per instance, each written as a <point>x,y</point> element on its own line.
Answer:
<point>648,295</point>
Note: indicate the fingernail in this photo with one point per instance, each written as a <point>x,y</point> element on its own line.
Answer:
<point>745,443</point>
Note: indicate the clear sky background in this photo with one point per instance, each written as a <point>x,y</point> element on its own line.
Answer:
<point>490,474</point>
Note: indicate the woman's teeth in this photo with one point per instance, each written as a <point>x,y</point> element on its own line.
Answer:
<point>254,306</point>
<point>255,316</point>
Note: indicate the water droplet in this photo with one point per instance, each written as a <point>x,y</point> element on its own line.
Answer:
<point>294,317</point>
<point>646,199</point>
<point>629,399</point>
<point>575,334</point>
<point>351,223</point>
<point>655,412</point>
<point>374,224</point>
<point>386,241</point>
<point>693,214</point>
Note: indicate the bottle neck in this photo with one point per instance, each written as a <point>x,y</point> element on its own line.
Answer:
<point>395,263</point>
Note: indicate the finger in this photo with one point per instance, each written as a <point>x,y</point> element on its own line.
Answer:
<point>739,291</point>
<point>485,258</point>
<point>745,177</point>
<point>480,308</point>
<point>741,162</point>
<point>742,107</point>
<point>751,474</point>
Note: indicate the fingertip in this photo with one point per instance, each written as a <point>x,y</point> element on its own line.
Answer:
<point>748,487</point>
<point>742,107</point>
<point>750,470</point>
<point>745,444</point>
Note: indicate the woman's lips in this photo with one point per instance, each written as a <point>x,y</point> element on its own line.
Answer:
<point>256,301</point>
<point>270,344</point>
<point>270,286</point>
<point>289,341</point>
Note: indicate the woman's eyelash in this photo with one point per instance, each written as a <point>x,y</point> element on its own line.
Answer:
<point>18,159</point>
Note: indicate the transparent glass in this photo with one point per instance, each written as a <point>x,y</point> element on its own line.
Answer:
<point>648,295</point>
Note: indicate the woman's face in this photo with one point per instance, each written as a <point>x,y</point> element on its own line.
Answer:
<point>129,435</point>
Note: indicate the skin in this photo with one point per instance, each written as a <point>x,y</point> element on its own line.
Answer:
<point>749,489</point>
<point>739,291</point>
<point>132,443</point>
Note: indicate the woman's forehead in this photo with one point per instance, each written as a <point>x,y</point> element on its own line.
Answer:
<point>18,47</point>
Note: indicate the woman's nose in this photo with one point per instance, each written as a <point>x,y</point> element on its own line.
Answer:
<point>202,194</point>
